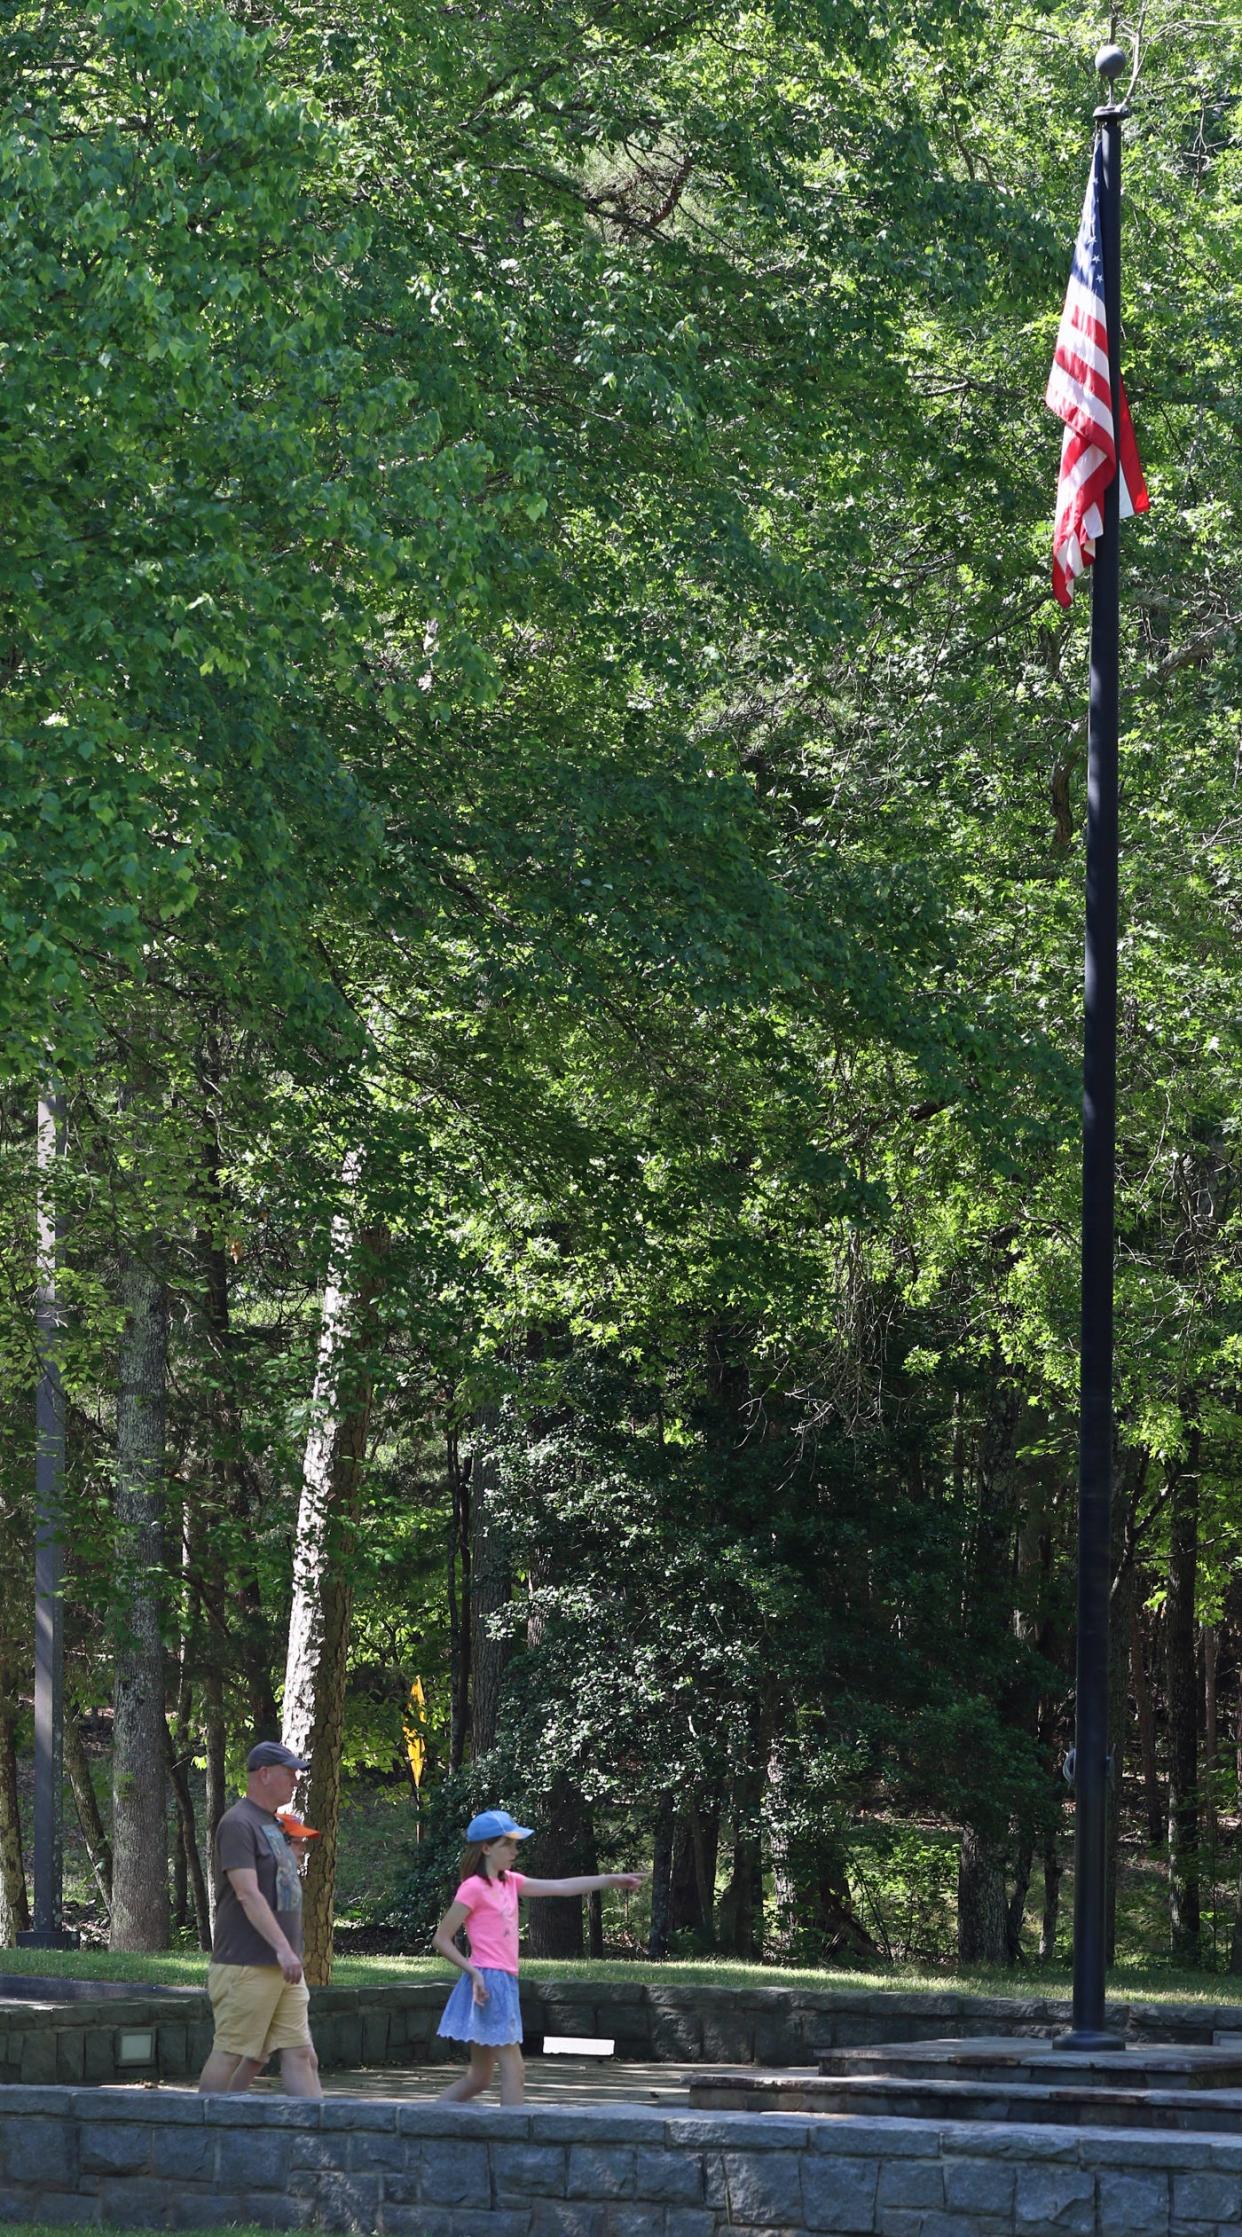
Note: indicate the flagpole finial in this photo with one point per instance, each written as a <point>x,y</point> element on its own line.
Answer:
<point>1110,62</point>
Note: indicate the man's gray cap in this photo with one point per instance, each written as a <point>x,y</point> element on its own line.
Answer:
<point>274,1752</point>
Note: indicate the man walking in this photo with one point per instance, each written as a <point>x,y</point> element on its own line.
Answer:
<point>259,1998</point>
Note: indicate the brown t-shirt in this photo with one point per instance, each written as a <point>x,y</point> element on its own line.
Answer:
<point>249,1839</point>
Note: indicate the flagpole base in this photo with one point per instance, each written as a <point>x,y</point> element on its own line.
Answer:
<point>1089,2039</point>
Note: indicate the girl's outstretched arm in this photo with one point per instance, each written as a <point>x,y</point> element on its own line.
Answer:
<point>585,1885</point>
<point>442,1940</point>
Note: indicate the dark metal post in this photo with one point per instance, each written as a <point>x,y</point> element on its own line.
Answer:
<point>48,1931</point>
<point>1095,1459</point>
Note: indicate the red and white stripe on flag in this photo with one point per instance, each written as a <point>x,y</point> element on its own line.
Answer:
<point>1080,393</point>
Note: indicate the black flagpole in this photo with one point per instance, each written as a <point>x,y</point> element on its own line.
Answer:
<point>1099,1132</point>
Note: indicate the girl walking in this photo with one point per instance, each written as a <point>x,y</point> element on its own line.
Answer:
<point>483,2010</point>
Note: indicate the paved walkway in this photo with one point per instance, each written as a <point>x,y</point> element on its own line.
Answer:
<point>549,2081</point>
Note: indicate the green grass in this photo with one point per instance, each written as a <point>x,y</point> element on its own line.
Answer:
<point>1145,1980</point>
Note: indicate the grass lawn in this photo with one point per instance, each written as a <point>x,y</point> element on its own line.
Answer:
<point>1143,1980</point>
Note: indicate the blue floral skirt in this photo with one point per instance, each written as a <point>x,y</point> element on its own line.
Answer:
<point>494,2023</point>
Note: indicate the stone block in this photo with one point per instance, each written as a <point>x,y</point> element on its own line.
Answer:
<point>565,2217</point>
<point>727,2034</point>
<point>454,2174</point>
<point>38,2150</point>
<point>1050,2200</point>
<point>253,2160</point>
<point>676,2033</point>
<point>910,2183</point>
<point>70,2054</point>
<point>597,2124</point>
<point>839,2193</point>
<point>521,2171</point>
<point>756,2132</point>
<point>37,2057</point>
<point>263,2112</point>
<point>153,2108</point>
<point>998,2140</point>
<point>1131,2205</point>
<point>173,2044</point>
<point>22,2101</point>
<point>375,2152</point>
<point>885,2139</point>
<point>1206,2197</point>
<point>187,2153</point>
<point>508,2123</point>
<point>779,2040</point>
<point>313,2151</point>
<point>633,2221</point>
<point>600,2171</point>
<point>114,2147</point>
<point>135,2202</point>
<point>763,2188</point>
<point>339,2201</point>
<point>357,2113</point>
<point>375,2036</point>
<point>203,2208</point>
<point>65,2208</point>
<point>674,2177</point>
<point>979,2186</point>
<point>450,2221</point>
<point>689,2221</point>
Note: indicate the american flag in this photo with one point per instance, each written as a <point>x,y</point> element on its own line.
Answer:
<point>1080,393</point>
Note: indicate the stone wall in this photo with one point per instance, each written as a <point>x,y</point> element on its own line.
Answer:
<point>395,2025</point>
<point>152,2159</point>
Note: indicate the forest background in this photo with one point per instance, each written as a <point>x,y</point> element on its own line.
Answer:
<point>542,799</point>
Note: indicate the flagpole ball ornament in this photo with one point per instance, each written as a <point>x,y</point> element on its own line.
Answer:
<point>1110,62</point>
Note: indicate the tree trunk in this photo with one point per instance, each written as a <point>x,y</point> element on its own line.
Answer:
<point>662,1876</point>
<point>14,1901</point>
<point>332,1487</point>
<point>216,1800</point>
<point>1211,1743</point>
<point>232,1602</point>
<point>459,1606</point>
<point>1122,1600</point>
<point>490,1588</point>
<point>788,1913</point>
<point>192,1862</point>
<point>695,1852</point>
<point>86,1803</point>
<point>1153,1797</point>
<point>1052,1899</point>
<point>1183,1710</point>
<point>1015,1912</point>
<point>563,1848</point>
<point>139,1790</point>
<point>982,1915</point>
<point>741,1904</point>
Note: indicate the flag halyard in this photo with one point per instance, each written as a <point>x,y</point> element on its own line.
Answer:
<point>1080,393</point>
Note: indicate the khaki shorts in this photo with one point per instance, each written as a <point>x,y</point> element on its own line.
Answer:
<point>257,2010</point>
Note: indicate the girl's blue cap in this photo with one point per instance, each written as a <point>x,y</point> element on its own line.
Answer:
<point>492,1825</point>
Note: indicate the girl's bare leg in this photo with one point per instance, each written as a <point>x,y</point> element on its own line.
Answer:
<point>512,2074</point>
<point>475,2079</point>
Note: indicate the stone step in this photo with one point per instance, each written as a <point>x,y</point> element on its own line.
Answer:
<point>1001,2061</point>
<point>1216,2111</point>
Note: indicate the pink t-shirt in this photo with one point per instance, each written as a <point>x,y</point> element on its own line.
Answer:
<point>493,1921</point>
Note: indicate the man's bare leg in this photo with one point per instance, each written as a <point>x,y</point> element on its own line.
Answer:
<point>299,2072</point>
<point>225,2073</point>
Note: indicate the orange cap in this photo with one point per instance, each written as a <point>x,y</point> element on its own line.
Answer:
<point>295,1828</point>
